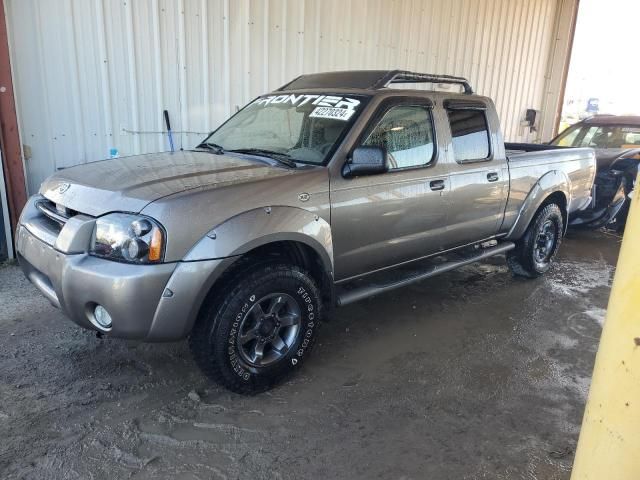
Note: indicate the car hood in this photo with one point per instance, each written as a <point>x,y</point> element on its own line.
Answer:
<point>130,183</point>
<point>606,156</point>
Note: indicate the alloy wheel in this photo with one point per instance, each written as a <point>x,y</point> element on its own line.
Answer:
<point>269,329</point>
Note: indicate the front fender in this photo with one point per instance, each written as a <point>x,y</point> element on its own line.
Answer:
<point>553,181</point>
<point>212,255</point>
<point>244,232</point>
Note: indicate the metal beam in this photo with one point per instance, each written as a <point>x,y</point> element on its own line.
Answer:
<point>565,72</point>
<point>558,66</point>
<point>12,164</point>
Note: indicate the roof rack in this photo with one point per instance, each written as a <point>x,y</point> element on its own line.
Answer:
<point>402,76</point>
<point>371,80</point>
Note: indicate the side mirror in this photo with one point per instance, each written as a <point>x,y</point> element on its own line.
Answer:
<point>366,161</point>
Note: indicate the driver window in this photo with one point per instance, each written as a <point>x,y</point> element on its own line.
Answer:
<point>406,132</point>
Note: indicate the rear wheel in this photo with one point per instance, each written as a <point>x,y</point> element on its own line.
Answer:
<point>535,251</point>
<point>259,329</point>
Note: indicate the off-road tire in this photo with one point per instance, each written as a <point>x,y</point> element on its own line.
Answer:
<point>215,336</point>
<point>522,260</point>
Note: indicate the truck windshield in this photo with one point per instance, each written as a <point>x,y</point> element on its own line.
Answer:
<point>303,127</point>
<point>600,136</point>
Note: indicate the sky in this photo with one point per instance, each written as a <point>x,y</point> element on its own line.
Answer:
<point>605,62</point>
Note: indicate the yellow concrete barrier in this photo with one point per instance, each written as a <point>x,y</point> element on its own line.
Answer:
<point>609,444</point>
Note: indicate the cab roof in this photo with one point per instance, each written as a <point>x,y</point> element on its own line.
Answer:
<point>613,120</point>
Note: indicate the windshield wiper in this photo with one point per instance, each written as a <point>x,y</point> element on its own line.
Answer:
<point>215,148</point>
<point>280,157</point>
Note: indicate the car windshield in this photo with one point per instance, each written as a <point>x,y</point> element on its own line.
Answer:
<point>302,127</point>
<point>600,136</point>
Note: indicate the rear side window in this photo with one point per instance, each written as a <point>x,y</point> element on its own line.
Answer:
<point>406,132</point>
<point>470,135</point>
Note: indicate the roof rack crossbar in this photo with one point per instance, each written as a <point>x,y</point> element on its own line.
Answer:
<point>402,76</point>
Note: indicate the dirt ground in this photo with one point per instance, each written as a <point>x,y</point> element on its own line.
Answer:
<point>470,375</point>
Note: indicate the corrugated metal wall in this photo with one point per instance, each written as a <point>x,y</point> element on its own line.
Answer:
<point>88,73</point>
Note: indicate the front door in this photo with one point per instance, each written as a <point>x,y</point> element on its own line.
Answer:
<point>385,219</point>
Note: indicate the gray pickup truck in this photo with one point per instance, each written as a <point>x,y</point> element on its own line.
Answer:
<point>331,189</point>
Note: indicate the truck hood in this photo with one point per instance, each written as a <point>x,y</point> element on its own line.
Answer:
<point>129,184</point>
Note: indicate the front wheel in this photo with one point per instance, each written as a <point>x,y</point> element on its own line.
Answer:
<point>535,251</point>
<point>259,328</point>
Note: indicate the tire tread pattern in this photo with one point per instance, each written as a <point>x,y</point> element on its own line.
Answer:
<point>520,260</point>
<point>203,340</point>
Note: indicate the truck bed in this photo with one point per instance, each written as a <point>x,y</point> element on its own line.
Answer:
<point>529,163</point>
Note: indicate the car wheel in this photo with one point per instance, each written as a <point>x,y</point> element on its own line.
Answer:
<point>535,251</point>
<point>259,329</point>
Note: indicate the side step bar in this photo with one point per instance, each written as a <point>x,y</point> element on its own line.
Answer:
<point>361,293</point>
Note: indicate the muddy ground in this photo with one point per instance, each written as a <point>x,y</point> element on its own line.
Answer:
<point>470,375</point>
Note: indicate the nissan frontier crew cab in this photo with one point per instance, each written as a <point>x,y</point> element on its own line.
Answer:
<point>331,189</point>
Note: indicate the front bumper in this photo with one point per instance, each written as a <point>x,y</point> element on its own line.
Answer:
<point>77,283</point>
<point>146,302</point>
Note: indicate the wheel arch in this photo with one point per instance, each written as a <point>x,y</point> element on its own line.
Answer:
<point>553,187</point>
<point>295,252</point>
<point>291,251</point>
<point>290,234</point>
<point>261,226</point>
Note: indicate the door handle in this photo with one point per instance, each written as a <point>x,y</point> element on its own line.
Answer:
<point>436,185</point>
<point>492,176</point>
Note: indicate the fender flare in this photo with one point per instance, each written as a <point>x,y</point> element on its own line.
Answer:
<point>254,228</point>
<point>214,253</point>
<point>553,181</point>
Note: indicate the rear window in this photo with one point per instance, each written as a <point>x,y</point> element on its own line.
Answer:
<point>469,135</point>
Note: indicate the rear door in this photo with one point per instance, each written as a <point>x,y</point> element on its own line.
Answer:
<point>479,176</point>
<point>385,219</point>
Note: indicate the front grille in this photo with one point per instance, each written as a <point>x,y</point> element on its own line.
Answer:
<point>53,217</point>
<point>55,212</point>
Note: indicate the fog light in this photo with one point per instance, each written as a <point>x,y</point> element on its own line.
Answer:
<point>103,319</point>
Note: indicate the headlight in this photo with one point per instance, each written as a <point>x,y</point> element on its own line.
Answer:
<point>128,238</point>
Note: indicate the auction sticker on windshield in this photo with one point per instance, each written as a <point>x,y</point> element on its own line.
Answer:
<point>332,112</point>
